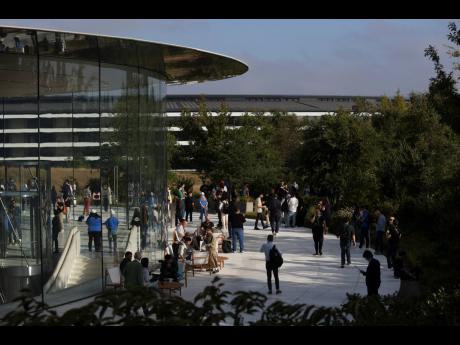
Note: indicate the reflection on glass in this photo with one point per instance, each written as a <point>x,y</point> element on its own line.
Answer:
<point>81,159</point>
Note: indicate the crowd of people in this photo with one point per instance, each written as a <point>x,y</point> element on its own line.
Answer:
<point>282,205</point>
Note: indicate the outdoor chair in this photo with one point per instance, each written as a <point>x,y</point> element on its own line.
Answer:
<point>113,278</point>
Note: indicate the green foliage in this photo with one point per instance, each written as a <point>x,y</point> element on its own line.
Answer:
<point>339,158</point>
<point>215,306</point>
<point>241,155</point>
<point>443,92</point>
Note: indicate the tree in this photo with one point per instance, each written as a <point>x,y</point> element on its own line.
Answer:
<point>339,154</point>
<point>443,92</point>
<point>240,155</point>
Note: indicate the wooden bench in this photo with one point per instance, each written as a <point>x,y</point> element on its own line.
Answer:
<point>171,286</point>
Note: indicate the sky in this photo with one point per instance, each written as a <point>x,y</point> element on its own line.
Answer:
<point>292,56</point>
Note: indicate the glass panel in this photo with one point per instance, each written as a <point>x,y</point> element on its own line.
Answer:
<point>77,138</point>
<point>20,180</point>
<point>70,151</point>
<point>119,113</point>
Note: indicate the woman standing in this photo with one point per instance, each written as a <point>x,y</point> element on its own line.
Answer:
<point>318,228</point>
<point>86,200</point>
<point>106,197</point>
<point>212,247</point>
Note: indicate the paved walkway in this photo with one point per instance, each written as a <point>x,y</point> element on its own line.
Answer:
<point>304,278</point>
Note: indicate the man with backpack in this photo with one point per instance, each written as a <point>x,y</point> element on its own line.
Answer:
<point>347,236</point>
<point>273,261</point>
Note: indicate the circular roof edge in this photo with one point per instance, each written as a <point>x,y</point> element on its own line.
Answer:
<point>178,64</point>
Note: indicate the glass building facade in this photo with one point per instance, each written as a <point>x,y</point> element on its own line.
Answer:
<point>83,129</point>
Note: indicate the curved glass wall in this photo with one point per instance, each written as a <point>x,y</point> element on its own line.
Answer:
<point>81,120</point>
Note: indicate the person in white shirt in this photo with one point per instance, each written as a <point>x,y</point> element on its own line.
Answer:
<point>293,203</point>
<point>259,213</point>
<point>181,229</point>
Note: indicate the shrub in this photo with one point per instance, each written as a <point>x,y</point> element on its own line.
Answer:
<point>338,218</point>
<point>215,306</point>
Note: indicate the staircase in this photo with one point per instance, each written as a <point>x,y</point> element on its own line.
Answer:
<point>89,268</point>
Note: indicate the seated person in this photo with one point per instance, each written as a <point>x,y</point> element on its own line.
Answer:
<point>169,268</point>
<point>196,241</point>
<point>206,225</point>
<point>185,249</point>
<point>181,230</point>
<point>145,272</point>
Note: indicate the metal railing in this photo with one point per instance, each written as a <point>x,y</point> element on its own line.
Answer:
<point>15,232</point>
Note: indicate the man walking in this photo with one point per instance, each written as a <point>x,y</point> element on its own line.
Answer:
<point>259,213</point>
<point>372,274</point>
<point>347,236</point>
<point>266,248</point>
<point>275,214</point>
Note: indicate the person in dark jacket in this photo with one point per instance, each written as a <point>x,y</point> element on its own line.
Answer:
<point>134,272</point>
<point>94,222</point>
<point>393,237</point>
<point>347,237</point>
<point>53,196</point>
<point>144,224</point>
<point>128,257</point>
<point>56,229</point>
<point>136,219</point>
<point>372,274</point>
<point>317,230</point>
<point>169,268</point>
<point>275,214</point>
<point>189,206</point>
<point>238,230</point>
<point>364,221</point>
<point>231,214</point>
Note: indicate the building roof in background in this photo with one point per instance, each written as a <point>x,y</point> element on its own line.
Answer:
<point>266,103</point>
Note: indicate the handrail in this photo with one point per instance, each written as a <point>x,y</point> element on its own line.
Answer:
<point>61,273</point>
<point>14,231</point>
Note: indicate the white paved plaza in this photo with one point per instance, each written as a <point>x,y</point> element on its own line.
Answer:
<point>304,278</point>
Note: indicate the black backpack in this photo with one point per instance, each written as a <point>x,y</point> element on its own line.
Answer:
<point>344,234</point>
<point>227,246</point>
<point>276,260</point>
<point>285,206</point>
<point>225,208</point>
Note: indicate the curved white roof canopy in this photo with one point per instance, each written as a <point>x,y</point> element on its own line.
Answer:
<point>176,64</point>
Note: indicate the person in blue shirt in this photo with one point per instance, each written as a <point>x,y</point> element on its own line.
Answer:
<point>203,207</point>
<point>364,221</point>
<point>380,228</point>
<point>112,227</point>
<point>94,222</point>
